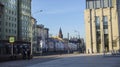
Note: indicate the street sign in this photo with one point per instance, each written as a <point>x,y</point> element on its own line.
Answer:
<point>11,39</point>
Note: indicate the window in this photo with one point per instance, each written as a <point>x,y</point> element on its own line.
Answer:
<point>97,3</point>
<point>98,37</point>
<point>15,25</point>
<point>91,4</point>
<point>6,30</point>
<point>105,3</point>
<point>9,18</point>
<point>15,31</point>
<point>105,31</point>
<point>0,16</point>
<point>9,31</point>
<point>15,19</point>
<point>97,21</point>
<point>0,22</point>
<point>12,31</point>
<point>87,4</point>
<point>9,24</point>
<point>12,24</point>
<point>105,22</point>
<point>12,13</point>
<point>110,3</point>
<point>9,12</point>
<point>6,23</point>
<point>0,29</point>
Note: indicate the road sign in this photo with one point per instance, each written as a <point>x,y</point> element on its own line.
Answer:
<point>11,39</point>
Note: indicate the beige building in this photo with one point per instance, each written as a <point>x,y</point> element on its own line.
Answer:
<point>102,25</point>
<point>42,35</point>
<point>33,33</point>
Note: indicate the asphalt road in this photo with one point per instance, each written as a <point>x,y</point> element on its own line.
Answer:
<point>69,60</point>
<point>82,61</point>
<point>24,63</point>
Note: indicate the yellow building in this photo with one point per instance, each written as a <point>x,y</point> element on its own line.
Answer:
<point>102,25</point>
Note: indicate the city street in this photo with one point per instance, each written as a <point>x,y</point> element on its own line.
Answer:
<point>24,63</point>
<point>69,60</point>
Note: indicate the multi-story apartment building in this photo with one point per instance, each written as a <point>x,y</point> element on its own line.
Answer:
<point>9,20</point>
<point>15,20</point>
<point>42,36</point>
<point>102,25</point>
<point>1,26</point>
<point>1,19</point>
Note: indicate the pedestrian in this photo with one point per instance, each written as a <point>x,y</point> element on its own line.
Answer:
<point>24,53</point>
<point>28,53</point>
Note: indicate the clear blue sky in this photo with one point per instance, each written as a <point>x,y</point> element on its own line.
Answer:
<point>67,14</point>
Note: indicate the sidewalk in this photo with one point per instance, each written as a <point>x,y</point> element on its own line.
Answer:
<point>4,58</point>
<point>67,55</point>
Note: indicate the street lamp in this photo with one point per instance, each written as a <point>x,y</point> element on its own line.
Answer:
<point>37,12</point>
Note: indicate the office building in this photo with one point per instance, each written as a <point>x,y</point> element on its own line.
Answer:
<point>102,25</point>
<point>9,19</point>
<point>15,20</point>
<point>24,20</point>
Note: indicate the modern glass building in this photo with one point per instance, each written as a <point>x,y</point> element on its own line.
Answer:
<point>102,25</point>
<point>9,19</point>
<point>15,20</point>
<point>24,20</point>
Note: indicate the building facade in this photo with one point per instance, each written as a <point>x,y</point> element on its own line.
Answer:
<point>1,19</point>
<point>102,25</point>
<point>42,37</point>
<point>24,20</point>
<point>9,20</point>
<point>15,20</point>
<point>34,33</point>
<point>1,27</point>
